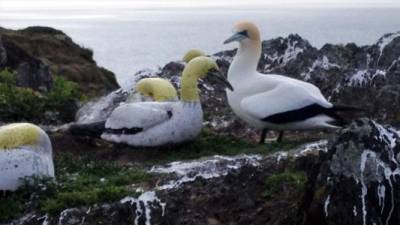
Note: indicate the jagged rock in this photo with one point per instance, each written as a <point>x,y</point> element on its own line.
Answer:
<point>30,71</point>
<point>358,178</point>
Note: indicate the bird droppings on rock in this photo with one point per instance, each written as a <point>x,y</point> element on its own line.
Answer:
<point>363,164</point>
<point>142,205</point>
<point>207,168</point>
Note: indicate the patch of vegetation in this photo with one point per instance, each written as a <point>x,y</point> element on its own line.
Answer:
<point>277,185</point>
<point>80,181</point>
<point>210,143</point>
<point>24,104</point>
<point>62,99</point>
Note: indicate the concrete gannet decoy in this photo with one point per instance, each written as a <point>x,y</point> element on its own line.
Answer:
<point>193,53</point>
<point>153,89</point>
<point>158,89</point>
<point>150,124</point>
<point>25,150</point>
<point>270,101</point>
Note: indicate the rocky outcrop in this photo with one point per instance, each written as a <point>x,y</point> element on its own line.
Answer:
<point>351,179</point>
<point>358,183</point>
<point>30,71</point>
<point>38,53</point>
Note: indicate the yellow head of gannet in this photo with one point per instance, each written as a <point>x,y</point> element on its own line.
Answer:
<point>197,68</point>
<point>157,88</point>
<point>245,32</point>
<point>19,134</point>
<point>191,54</point>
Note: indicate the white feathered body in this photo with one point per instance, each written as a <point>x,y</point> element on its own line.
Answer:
<point>162,123</point>
<point>258,96</point>
<point>26,161</point>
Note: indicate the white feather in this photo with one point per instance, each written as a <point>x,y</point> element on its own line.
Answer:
<point>139,115</point>
<point>287,95</point>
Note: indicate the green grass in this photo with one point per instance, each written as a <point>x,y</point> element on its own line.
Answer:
<point>289,181</point>
<point>24,104</point>
<point>209,143</point>
<point>83,180</point>
<point>80,181</point>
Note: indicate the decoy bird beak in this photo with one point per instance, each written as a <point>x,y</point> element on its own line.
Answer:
<point>221,78</point>
<point>235,37</point>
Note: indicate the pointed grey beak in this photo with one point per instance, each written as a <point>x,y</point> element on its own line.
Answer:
<point>235,37</point>
<point>221,78</point>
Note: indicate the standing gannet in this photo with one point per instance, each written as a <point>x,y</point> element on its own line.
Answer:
<point>270,101</point>
<point>151,124</point>
<point>25,151</point>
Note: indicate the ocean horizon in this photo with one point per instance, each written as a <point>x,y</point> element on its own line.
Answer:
<point>127,40</point>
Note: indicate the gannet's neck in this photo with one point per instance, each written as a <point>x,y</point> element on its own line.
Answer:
<point>246,59</point>
<point>189,90</point>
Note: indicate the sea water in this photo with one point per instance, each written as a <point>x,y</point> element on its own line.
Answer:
<point>125,40</point>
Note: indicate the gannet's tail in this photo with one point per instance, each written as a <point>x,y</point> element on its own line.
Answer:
<point>88,130</point>
<point>342,114</point>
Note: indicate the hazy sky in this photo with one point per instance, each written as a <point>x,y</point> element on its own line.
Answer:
<point>21,4</point>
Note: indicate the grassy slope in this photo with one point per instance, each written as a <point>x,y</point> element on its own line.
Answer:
<point>87,178</point>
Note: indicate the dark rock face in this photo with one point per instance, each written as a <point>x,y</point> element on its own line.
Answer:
<point>36,53</point>
<point>358,183</point>
<point>3,54</point>
<point>31,72</point>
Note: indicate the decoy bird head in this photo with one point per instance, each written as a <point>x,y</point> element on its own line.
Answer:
<point>18,134</point>
<point>157,88</point>
<point>191,54</point>
<point>244,32</point>
<point>203,66</point>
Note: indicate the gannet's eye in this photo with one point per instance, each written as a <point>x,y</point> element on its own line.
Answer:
<point>244,33</point>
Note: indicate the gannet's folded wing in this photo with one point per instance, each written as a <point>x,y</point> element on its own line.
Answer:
<point>285,103</point>
<point>139,115</point>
